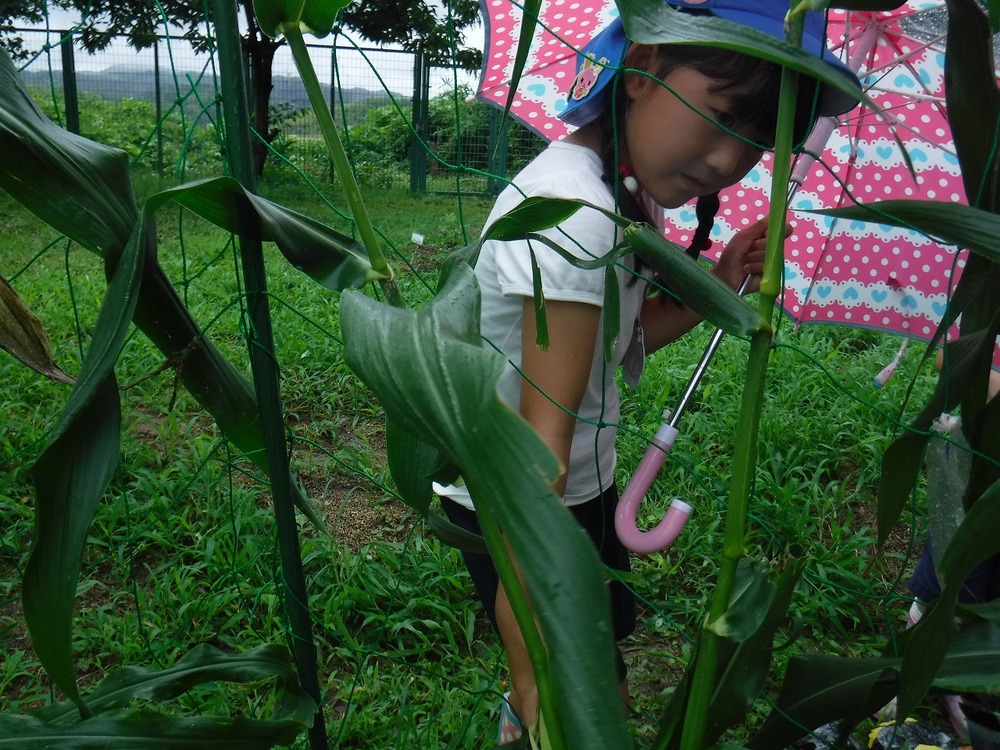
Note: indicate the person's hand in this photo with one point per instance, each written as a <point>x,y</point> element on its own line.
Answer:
<point>745,255</point>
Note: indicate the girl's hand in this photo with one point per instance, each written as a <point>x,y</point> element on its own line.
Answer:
<point>745,255</point>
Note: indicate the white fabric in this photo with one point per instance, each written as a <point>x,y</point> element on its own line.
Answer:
<point>563,170</point>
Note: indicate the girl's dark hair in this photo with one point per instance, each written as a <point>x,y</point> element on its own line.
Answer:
<point>756,104</point>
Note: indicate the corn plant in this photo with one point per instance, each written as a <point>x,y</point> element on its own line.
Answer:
<point>437,386</point>
<point>83,190</point>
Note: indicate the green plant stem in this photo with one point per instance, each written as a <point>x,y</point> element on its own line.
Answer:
<point>266,377</point>
<point>748,427</point>
<point>341,165</point>
<point>525,618</point>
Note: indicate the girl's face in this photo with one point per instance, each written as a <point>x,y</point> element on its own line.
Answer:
<point>673,139</point>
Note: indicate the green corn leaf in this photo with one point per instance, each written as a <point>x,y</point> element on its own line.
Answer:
<point>82,189</point>
<point>329,257</point>
<point>202,664</point>
<point>128,730</point>
<point>529,21</point>
<point>951,223</point>
<point>699,289</point>
<point>696,287</point>
<point>821,689</point>
<point>746,671</point>
<point>71,475</point>
<point>989,611</point>
<point>972,663</point>
<point>974,541</point>
<point>902,460</point>
<point>411,463</point>
<point>314,17</point>
<point>70,478</point>
<point>973,100</point>
<point>757,608</point>
<point>541,321</point>
<point>444,391</point>
<point>901,464</point>
<point>977,295</point>
<point>535,214</point>
<point>24,337</point>
<point>79,187</point>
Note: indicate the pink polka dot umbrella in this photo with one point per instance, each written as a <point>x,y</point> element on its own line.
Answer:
<point>836,271</point>
<point>564,27</point>
<point>854,273</point>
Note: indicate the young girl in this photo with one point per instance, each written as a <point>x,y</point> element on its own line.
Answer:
<point>696,124</point>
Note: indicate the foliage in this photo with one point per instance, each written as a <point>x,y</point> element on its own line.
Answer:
<point>424,28</point>
<point>436,382</point>
<point>420,26</point>
<point>82,188</point>
<point>130,125</point>
<point>13,15</point>
<point>115,724</point>
<point>457,129</point>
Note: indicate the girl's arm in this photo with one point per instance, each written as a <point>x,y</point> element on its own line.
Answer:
<point>555,379</point>
<point>664,321</point>
<point>558,374</point>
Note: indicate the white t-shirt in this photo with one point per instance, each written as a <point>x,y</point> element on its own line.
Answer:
<point>563,170</point>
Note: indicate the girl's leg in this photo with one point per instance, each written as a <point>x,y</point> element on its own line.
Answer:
<point>597,518</point>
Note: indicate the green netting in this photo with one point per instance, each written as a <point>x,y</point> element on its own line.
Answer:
<point>183,550</point>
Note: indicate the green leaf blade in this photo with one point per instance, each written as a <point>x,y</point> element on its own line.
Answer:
<point>444,391</point>
<point>952,223</point>
<point>697,288</point>
<point>331,258</point>
<point>70,478</point>
<point>80,188</point>
<point>71,475</point>
<point>127,730</point>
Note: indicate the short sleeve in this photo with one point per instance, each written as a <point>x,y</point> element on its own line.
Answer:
<point>588,234</point>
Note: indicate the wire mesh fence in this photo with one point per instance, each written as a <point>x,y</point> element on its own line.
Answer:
<point>405,123</point>
<point>184,552</point>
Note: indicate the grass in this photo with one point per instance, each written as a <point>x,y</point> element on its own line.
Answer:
<point>182,550</point>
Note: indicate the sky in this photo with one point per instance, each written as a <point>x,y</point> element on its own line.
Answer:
<point>394,68</point>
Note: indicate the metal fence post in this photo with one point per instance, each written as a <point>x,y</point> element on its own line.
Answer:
<point>497,151</point>
<point>333,98</point>
<point>71,99</point>
<point>159,107</point>
<point>421,125</point>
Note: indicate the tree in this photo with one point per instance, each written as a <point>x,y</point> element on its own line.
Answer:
<point>12,13</point>
<point>419,25</point>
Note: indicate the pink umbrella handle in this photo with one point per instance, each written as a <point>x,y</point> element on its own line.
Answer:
<point>665,532</point>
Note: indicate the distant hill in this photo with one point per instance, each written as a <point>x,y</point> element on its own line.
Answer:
<point>136,82</point>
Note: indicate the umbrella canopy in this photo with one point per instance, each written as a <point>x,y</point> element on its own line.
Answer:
<point>855,273</point>
<point>564,27</point>
<point>844,272</point>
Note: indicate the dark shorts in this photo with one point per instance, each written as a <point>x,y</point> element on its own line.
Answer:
<point>597,517</point>
<point>982,585</point>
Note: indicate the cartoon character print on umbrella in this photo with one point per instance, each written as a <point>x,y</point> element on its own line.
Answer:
<point>565,27</point>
